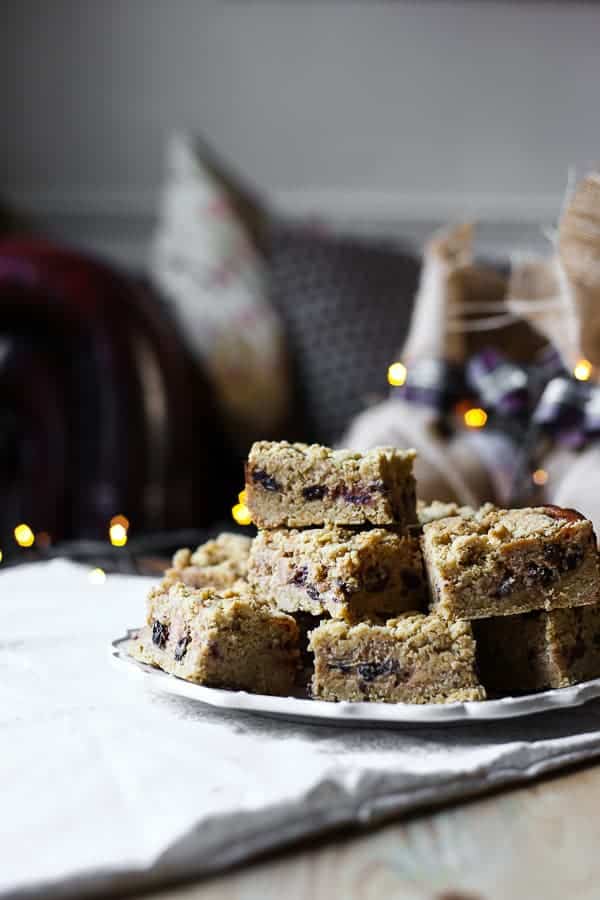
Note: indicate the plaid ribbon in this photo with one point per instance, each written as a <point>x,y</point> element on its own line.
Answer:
<point>524,403</point>
<point>569,410</point>
<point>542,394</point>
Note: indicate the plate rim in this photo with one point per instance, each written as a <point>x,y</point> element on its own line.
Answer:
<point>359,712</point>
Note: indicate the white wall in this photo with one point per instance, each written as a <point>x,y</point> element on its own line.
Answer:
<point>408,112</point>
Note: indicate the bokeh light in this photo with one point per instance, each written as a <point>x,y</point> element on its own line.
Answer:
<point>241,514</point>
<point>539,477</point>
<point>397,374</point>
<point>24,536</point>
<point>118,535</point>
<point>583,370</point>
<point>475,417</point>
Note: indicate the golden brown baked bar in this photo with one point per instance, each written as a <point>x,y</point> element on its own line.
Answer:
<point>338,571</point>
<point>539,650</point>
<point>220,640</point>
<point>511,561</point>
<point>411,659</point>
<point>218,563</point>
<point>296,485</point>
<point>440,509</point>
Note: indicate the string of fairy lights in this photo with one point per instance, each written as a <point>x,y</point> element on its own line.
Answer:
<point>472,416</point>
<point>118,535</point>
<point>475,416</point>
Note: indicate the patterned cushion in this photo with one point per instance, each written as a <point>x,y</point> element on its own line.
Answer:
<point>205,260</point>
<point>346,303</point>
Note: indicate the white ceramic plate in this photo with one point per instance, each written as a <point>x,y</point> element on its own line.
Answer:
<point>344,714</point>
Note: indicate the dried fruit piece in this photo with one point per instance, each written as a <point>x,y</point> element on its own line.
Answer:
<point>266,481</point>
<point>181,647</point>
<point>315,492</point>
<point>160,633</point>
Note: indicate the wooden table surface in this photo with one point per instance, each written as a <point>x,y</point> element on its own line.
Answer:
<point>541,841</point>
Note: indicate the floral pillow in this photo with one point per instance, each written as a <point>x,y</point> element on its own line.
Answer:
<point>205,260</point>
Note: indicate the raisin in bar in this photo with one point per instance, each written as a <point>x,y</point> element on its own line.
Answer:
<point>338,571</point>
<point>218,563</point>
<point>511,561</point>
<point>411,659</point>
<point>296,485</point>
<point>539,650</point>
<point>226,640</point>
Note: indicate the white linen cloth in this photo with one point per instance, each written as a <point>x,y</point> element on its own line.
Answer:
<point>107,784</point>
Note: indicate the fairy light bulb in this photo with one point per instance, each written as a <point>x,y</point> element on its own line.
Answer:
<point>582,370</point>
<point>397,374</point>
<point>539,477</point>
<point>118,535</point>
<point>241,514</point>
<point>475,417</point>
<point>24,536</point>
